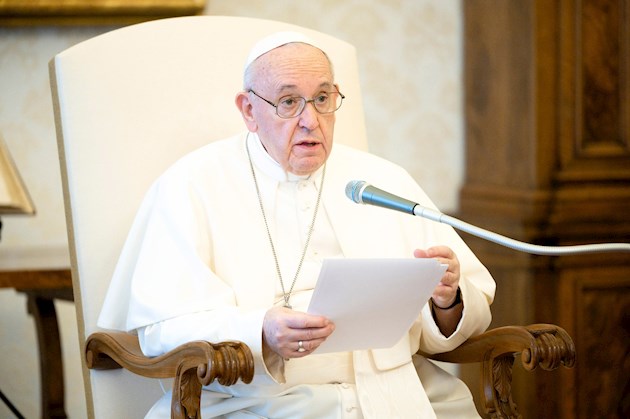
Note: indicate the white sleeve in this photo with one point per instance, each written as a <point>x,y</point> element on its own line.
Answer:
<point>475,319</point>
<point>229,324</point>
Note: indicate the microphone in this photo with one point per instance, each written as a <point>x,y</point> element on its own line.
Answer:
<point>363,193</point>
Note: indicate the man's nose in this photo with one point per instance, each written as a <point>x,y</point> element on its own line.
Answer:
<point>309,117</point>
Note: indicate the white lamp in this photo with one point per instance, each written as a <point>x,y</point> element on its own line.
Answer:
<point>14,198</point>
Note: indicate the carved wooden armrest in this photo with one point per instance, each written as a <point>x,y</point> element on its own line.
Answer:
<point>544,345</point>
<point>191,365</point>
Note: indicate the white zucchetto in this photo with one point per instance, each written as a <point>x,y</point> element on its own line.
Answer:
<point>274,41</point>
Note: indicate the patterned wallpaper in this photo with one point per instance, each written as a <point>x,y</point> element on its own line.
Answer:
<point>409,55</point>
<point>410,63</point>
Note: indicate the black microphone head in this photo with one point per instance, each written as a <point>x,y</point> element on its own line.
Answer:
<point>353,190</point>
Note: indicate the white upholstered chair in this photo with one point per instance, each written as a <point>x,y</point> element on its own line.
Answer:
<point>127,105</point>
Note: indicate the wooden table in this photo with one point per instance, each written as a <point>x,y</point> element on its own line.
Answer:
<point>43,275</point>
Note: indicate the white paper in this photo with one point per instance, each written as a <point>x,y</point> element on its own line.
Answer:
<point>373,302</point>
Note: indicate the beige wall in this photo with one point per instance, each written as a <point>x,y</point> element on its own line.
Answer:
<point>410,63</point>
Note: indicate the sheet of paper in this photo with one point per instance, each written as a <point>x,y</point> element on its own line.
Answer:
<point>372,302</point>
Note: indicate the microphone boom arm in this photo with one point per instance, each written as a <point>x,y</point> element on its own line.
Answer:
<point>363,193</point>
<point>430,214</point>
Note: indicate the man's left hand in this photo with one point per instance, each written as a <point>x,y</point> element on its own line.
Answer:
<point>446,291</point>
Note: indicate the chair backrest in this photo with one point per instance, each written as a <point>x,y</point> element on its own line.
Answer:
<point>128,104</point>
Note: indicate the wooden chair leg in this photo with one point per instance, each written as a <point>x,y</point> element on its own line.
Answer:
<point>186,393</point>
<point>497,388</point>
<point>548,347</point>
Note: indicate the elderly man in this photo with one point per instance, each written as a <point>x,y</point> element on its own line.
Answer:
<point>229,242</point>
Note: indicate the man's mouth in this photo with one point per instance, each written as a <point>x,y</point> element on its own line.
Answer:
<point>308,143</point>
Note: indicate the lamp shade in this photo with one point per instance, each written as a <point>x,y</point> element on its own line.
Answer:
<point>14,198</point>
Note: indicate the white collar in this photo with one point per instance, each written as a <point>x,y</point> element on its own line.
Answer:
<point>267,165</point>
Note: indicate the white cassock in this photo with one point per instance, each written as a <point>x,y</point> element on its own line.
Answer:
<point>197,265</point>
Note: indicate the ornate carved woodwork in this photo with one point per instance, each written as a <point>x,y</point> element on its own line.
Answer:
<point>538,345</point>
<point>548,161</point>
<point>197,364</point>
<point>191,365</point>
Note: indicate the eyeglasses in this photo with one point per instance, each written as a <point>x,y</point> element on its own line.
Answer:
<point>292,106</point>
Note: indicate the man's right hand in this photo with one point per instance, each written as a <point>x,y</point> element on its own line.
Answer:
<point>284,329</point>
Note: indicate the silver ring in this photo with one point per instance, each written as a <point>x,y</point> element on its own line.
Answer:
<point>301,346</point>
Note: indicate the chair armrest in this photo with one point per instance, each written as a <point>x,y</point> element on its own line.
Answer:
<point>191,365</point>
<point>539,344</point>
<point>544,345</point>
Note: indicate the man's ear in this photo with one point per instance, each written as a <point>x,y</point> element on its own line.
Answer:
<point>245,107</point>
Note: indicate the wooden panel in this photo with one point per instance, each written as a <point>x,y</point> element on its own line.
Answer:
<point>603,342</point>
<point>595,90</point>
<point>548,162</point>
<point>603,76</point>
<point>497,89</point>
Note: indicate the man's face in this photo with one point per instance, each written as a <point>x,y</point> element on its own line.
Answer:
<point>301,144</point>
